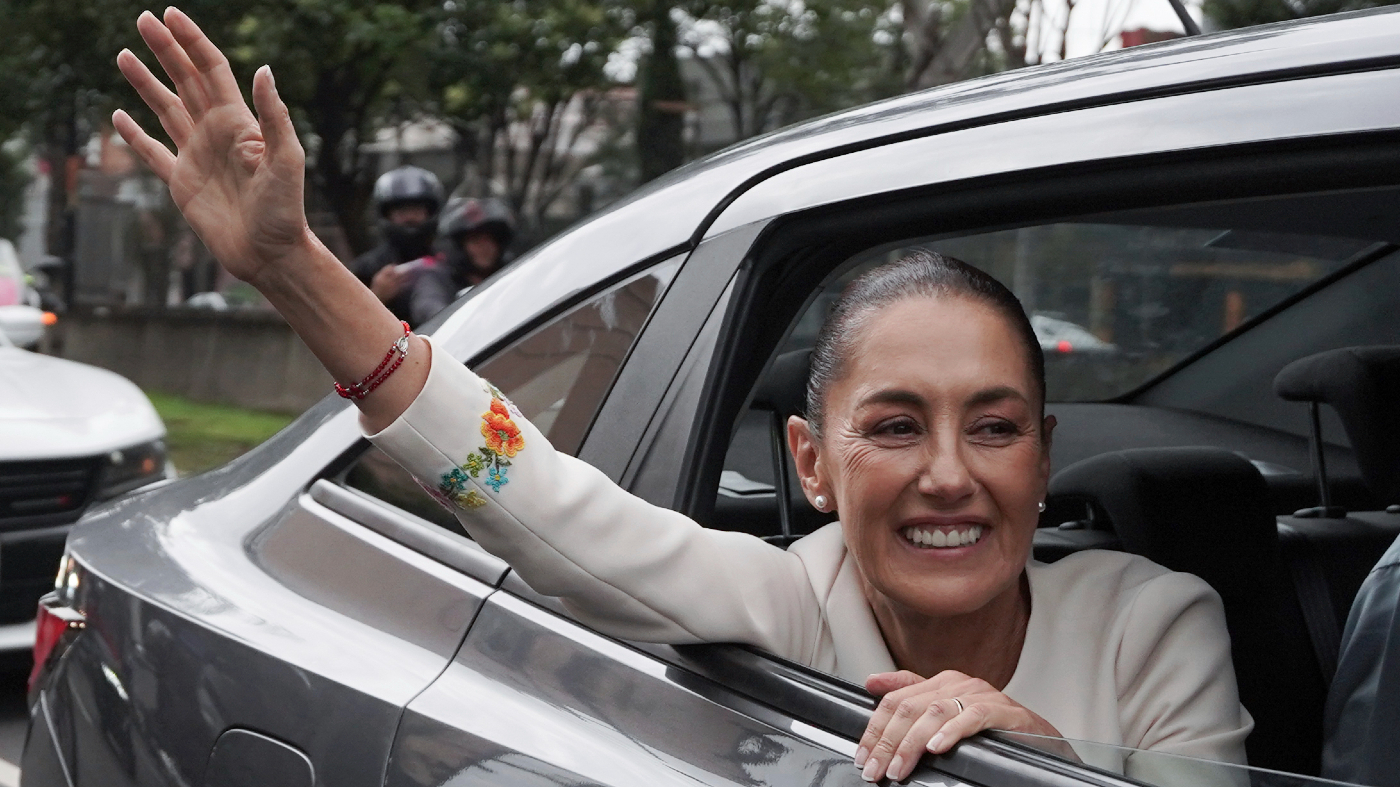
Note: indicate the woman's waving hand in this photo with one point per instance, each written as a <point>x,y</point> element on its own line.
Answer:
<point>239,180</point>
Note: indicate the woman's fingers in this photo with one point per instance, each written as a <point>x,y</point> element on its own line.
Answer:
<point>278,133</point>
<point>176,62</point>
<point>900,714</point>
<point>169,109</point>
<point>882,683</point>
<point>157,156</point>
<point>216,78</point>
<point>975,717</point>
<point>916,741</point>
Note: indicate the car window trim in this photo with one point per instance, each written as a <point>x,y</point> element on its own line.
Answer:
<point>417,534</point>
<point>655,358</point>
<point>831,234</point>
<point>821,708</point>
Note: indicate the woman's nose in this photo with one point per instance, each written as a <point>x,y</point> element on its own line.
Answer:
<point>945,474</point>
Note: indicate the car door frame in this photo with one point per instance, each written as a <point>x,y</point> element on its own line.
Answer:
<point>767,253</point>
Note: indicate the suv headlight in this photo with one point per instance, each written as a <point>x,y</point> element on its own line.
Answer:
<point>129,468</point>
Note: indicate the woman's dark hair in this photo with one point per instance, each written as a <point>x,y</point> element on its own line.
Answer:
<point>919,274</point>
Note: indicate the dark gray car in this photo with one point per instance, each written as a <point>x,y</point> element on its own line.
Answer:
<point>1210,209</point>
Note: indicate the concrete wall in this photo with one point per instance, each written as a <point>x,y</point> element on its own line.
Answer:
<point>249,359</point>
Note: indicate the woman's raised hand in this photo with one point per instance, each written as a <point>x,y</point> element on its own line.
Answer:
<point>238,179</point>
<point>917,716</point>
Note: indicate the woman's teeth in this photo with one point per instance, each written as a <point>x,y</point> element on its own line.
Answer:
<point>942,539</point>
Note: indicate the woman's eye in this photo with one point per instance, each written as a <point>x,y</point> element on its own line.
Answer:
<point>898,427</point>
<point>995,429</point>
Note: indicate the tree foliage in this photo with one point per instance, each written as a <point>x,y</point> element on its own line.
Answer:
<point>776,61</point>
<point>523,84</point>
<point>1246,13</point>
<point>339,64</point>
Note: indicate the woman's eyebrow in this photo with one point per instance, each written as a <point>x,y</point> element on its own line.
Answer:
<point>995,394</point>
<point>895,396</point>
<point>983,397</point>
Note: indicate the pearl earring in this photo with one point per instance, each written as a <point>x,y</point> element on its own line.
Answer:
<point>1041,507</point>
<point>820,502</point>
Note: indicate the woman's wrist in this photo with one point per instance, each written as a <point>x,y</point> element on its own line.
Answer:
<point>289,271</point>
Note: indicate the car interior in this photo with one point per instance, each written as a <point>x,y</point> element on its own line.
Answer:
<point>1278,487</point>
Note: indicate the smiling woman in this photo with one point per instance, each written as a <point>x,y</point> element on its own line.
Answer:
<point>928,438</point>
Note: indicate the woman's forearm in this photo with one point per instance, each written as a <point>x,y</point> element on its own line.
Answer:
<point>344,325</point>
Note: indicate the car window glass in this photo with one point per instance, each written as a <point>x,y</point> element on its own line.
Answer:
<point>557,375</point>
<point>1114,302</point>
<point>1156,768</point>
<point>1114,305</point>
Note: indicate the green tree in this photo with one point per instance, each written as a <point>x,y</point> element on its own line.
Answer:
<point>340,66</point>
<point>524,85</point>
<point>774,62</point>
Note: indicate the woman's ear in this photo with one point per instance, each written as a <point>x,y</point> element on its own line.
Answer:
<point>806,456</point>
<point>1047,432</point>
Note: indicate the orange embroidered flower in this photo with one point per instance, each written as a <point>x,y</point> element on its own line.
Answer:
<point>502,435</point>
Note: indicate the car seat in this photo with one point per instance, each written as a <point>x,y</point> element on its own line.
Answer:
<point>783,393</point>
<point>1362,384</point>
<point>1206,511</point>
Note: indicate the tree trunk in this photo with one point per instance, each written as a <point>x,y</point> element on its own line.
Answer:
<point>335,168</point>
<point>948,60</point>
<point>661,100</point>
<point>60,146</point>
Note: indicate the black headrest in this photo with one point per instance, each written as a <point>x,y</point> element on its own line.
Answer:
<point>1181,507</point>
<point>1363,385</point>
<point>784,388</point>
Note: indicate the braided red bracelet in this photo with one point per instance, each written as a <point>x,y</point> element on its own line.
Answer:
<point>377,377</point>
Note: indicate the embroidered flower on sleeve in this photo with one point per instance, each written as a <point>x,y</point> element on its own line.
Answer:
<point>502,435</point>
<point>496,478</point>
<point>503,442</point>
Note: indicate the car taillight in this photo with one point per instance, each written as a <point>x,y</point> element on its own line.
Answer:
<point>1064,346</point>
<point>57,616</point>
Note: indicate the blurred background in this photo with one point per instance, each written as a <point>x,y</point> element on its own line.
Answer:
<point>555,107</point>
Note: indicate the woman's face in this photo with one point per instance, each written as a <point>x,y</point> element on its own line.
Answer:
<point>934,455</point>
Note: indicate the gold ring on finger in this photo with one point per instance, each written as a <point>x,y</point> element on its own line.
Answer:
<point>960,705</point>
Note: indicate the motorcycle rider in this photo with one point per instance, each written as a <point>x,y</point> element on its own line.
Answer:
<point>407,199</point>
<point>477,235</point>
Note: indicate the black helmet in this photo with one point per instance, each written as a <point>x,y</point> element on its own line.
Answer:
<point>468,214</point>
<point>402,186</point>
<point>407,184</point>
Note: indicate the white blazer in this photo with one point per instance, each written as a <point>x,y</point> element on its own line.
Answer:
<point>1118,650</point>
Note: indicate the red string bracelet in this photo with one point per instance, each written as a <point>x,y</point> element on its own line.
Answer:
<point>377,377</point>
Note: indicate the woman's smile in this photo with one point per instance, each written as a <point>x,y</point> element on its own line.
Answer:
<point>944,538</point>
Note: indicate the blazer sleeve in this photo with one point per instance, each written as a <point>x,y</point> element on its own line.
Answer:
<point>622,565</point>
<point>1176,682</point>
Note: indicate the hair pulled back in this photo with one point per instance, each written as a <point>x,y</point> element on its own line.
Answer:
<point>919,274</point>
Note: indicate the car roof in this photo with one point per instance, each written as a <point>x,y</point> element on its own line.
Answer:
<point>671,213</point>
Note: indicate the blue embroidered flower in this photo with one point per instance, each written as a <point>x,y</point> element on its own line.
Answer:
<point>497,478</point>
